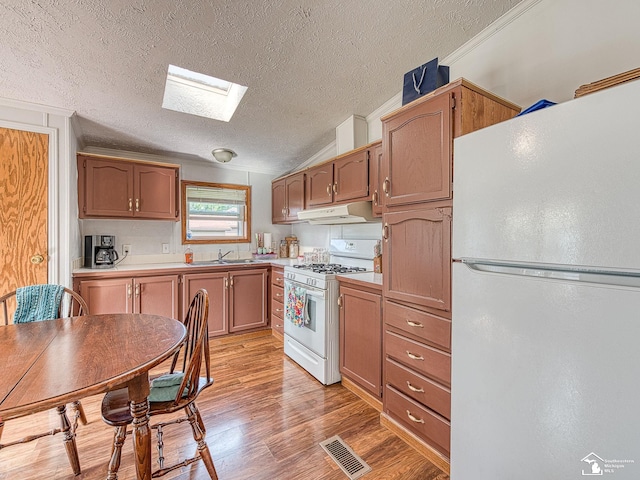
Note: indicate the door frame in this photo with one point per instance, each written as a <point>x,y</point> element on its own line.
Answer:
<point>54,250</point>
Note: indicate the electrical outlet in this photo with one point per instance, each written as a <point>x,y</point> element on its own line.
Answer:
<point>126,249</point>
<point>165,248</point>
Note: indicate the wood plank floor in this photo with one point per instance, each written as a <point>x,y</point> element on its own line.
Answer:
<point>264,415</point>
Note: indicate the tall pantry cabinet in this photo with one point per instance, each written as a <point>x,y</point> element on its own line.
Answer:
<point>417,191</point>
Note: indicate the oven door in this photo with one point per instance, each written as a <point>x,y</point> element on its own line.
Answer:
<point>311,332</point>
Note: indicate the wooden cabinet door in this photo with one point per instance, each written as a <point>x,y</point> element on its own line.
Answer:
<point>155,190</point>
<point>361,338</point>
<point>417,145</point>
<point>278,201</point>
<point>216,285</point>
<point>295,196</point>
<point>351,177</point>
<point>106,187</point>
<point>319,185</point>
<point>247,299</point>
<point>108,295</point>
<point>375,179</point>
<point>417,257</point>
<point>156,295</point>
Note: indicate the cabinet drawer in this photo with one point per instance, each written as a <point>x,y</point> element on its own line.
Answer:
<point>277,309</point>
<point>277,293</point>
<point>277,324</point>
<point>422,358</point>
<point>277,278</point>
<point>428,425</point>
<point>421,389</point>
<point>434,330</point>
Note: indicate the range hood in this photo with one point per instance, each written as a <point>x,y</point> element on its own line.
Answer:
<point>356,212</point>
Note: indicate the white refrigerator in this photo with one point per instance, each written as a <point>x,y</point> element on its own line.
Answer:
<point>546,294</point>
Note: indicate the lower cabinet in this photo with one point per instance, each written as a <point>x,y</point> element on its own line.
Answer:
<point>417,373</point>
<point>277,300</point>
<point>237,299</point>
<point>361,337</point>
<point>156,295</point>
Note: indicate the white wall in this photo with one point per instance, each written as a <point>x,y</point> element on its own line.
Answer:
<point>147,236</point>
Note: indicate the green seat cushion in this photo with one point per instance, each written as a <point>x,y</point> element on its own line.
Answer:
<point>165,388</point>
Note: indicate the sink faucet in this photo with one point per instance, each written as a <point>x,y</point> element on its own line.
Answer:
<point>221,256</point>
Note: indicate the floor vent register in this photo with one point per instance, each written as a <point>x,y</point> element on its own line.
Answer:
<point>350,463</point>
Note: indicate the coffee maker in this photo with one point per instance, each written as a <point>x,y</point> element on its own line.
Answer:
<point>100,251</point>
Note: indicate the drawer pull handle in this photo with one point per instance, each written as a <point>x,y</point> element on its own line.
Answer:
<point>329,189</point>
<point>414,324</point>
<point>374,197</point>
<point>414,419</point>
<point>279,294</point>
<point>414,389</point>
<point>414,357</point>
<point>278,309</point>
<point>386,186</point>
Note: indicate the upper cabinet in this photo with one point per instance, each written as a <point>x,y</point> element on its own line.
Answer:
<point>418,141</point>
<point>345,179</point>
<point>287,198</point>
<point>118,188</point>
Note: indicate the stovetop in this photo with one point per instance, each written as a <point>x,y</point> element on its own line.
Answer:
<point>329,268</point>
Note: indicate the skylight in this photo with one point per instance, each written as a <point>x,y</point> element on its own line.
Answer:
<point>202,95</point>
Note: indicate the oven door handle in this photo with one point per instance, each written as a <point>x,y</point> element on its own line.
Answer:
<point>315,293</point>
<point>310,292</point>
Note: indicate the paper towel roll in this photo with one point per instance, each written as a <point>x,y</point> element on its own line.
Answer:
<point>267,242</point>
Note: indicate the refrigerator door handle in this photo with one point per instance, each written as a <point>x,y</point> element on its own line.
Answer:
<point>564,273</point>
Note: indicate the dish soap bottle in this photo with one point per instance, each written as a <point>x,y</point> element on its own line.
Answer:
<point>188,256</point>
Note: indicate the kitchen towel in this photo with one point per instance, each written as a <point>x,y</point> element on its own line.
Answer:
<point>295,310</point>
<point>37,302</point>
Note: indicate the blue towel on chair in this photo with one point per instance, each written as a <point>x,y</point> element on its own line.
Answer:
<point>37,302</point>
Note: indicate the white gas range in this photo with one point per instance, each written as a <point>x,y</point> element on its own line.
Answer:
<point>311,328</point>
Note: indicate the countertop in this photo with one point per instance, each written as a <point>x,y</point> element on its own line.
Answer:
<point>365,279</point>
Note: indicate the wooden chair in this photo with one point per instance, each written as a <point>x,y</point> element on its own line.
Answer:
<point>178,389</point>
<point>71,304</point>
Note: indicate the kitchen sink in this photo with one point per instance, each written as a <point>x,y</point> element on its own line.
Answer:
<point>239,260</point>
<point>224,261</point>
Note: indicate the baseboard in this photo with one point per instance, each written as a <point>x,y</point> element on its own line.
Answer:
<point>435,457</point>
<point>362,393</point>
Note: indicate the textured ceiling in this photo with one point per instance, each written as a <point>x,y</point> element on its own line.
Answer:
<point>309,64</point>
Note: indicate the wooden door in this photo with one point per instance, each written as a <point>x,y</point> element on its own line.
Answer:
<point>247,299</point>
<point>156,295</point>
<point>295,196</point>
<point>417,257</point>
<point>361,338</point>
<point>278,201</point>
<point>105,187</point>
<point>216,285</point>
<point>417,145</point>
<point>113,295</point>
<point>351,177</point>
<point>155,190</point>
<point>24,160</point>
<point>375,179</point>
<point>319,185</point>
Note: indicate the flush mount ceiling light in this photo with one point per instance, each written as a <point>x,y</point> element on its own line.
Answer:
<point>197,94</point>
<point>223,155</point>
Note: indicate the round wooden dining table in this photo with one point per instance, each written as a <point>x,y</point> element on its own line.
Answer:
<point>50,363</point>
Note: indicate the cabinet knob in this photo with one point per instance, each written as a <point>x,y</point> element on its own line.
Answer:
<point>385,232</point>
<point>374,197</point>
<point>414,419</point>
<point>129,291</point>
<point>131,204</point>
<point>413,356</point>
<point>137,291</point>
<point>386,186</point>
<point>329,189</point>
<point>414,389</point>
<point>231,282</point>
<point>335,188</point>
<point>137,204</point>
<point>340,301</point>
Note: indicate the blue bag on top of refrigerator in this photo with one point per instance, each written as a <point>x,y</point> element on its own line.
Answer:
<point>424,79</point>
